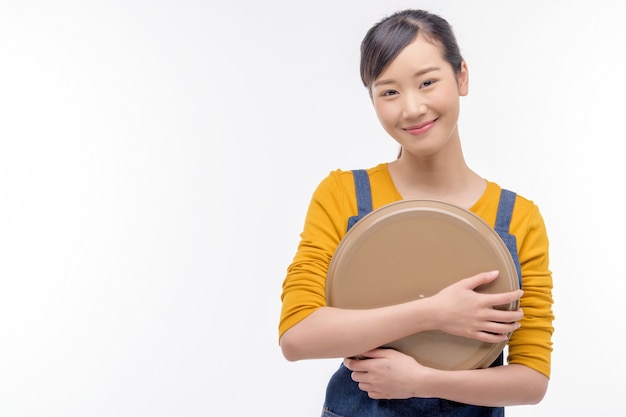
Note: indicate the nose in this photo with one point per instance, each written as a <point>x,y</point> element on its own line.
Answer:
<point>413,105</point>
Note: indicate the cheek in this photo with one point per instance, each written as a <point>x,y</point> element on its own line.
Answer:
<point>447,99</point>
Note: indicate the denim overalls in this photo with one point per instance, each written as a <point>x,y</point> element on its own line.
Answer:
<point>343,396</point>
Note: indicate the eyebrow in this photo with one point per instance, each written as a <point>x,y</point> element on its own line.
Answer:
<point>417,74</point>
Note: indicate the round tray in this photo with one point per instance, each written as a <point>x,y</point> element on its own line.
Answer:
<point>412,249</point>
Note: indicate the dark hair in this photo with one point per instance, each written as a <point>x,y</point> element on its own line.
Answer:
<point>384,41</point>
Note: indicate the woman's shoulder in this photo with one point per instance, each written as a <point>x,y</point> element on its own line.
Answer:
<point>348,173</point>
<point>344,178</point>
<point>524,210</point>
<point>494,191</point>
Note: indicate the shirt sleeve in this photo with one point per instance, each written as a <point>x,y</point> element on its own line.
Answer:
<point>531,344</point>
<point>304,287</point>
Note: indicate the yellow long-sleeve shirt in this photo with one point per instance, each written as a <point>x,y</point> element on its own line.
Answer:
<point>334,201</point>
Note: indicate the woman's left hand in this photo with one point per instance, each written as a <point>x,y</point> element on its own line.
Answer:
<point>388,374</point>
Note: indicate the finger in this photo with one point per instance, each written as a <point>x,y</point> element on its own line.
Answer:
<point>480,279</point>
<point>504,316</point>
<point>374,395</point>
<point>503,298</point>
<point>491,337</point>
<point>356,376</point>
<point>355,365</point>
<point>500,328</point>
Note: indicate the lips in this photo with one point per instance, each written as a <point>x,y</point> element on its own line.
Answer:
<point>420,128</point>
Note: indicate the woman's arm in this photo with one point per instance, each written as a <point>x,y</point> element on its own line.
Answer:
<point>393,375</point>
<point>458,310</point>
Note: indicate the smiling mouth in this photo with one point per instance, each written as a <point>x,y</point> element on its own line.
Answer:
<point>420,127</point>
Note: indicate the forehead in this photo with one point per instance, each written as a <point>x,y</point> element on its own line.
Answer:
<point>420,53</point>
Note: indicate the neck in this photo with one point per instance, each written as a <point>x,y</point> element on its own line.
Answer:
<point>437,177</point>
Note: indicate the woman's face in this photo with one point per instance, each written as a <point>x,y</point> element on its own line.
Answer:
<point>417,98</point>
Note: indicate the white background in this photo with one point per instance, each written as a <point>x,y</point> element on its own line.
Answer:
<point>157,159</point>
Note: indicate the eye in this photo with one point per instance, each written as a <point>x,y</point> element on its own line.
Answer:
<point>389,93</point>
<point>427,83</point>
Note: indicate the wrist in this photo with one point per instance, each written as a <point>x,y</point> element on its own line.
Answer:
<point>426,311</point>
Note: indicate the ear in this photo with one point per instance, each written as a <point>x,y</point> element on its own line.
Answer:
<point>463,79</point>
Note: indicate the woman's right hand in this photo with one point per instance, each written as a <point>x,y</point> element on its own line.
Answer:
<point>462,311</point>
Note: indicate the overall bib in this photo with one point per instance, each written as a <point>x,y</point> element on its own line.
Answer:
<point>343,396</point>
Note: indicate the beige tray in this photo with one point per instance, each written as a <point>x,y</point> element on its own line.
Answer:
<point>412,249</point>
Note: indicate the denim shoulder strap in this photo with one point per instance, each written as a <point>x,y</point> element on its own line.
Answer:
<point>503,223</point>
<point>363,195</point>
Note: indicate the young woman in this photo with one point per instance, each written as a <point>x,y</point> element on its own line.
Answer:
<point>413,69</point>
